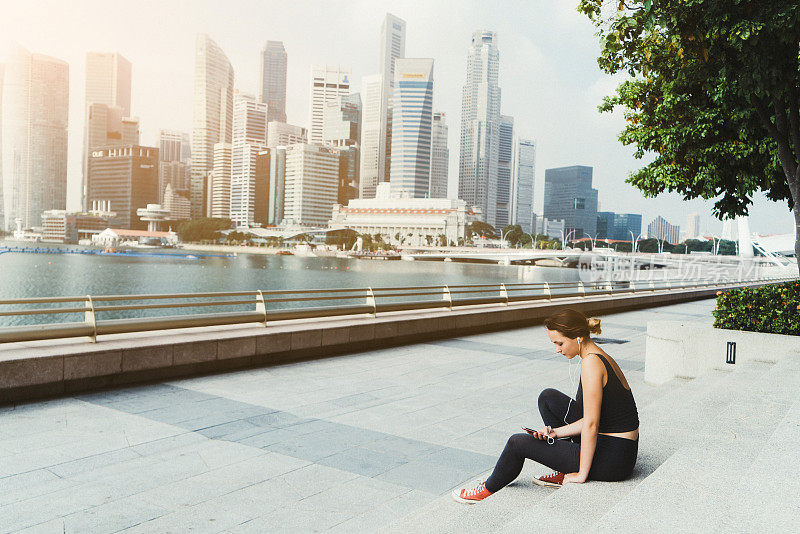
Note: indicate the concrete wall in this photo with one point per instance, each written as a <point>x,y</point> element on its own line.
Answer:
<point>679,349</point>
<point>56,367</point>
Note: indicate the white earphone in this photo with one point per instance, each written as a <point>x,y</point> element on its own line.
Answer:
<point>572,381</point>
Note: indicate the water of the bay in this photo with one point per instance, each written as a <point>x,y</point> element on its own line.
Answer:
<point>24,275</point>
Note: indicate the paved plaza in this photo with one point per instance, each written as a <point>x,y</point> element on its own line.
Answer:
<point>352,443</point>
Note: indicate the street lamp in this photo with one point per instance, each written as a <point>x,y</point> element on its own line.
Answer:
<point>564,240</point>
<point>634,241</point>
<point>504,234</point>
<point>715,245</point>
<point>533,241</point>
<point>592,239</point>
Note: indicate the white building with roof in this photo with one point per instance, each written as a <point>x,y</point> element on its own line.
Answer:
<point>417,221</point>
<point>112,237</point>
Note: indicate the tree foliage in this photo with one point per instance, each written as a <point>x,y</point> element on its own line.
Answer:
<point>204,229</point>
<point>714,94</point>
<point>481,228</point>
<point>345,237</point>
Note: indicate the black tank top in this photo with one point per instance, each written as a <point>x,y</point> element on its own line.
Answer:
<point>618,410</point>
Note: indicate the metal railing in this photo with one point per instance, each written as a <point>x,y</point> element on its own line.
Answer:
<point>280,305</point>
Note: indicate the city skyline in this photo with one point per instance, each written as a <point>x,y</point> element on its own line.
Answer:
<point>560,115</point>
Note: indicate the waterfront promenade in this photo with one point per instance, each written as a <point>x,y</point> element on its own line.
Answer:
<point>376,440</point>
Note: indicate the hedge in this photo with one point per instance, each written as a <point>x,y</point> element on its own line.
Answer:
<point>773,309</point>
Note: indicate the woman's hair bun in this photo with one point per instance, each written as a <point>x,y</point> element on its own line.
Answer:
<point>594,325</point>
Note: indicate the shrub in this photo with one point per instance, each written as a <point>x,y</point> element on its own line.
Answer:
<point>774,309</point>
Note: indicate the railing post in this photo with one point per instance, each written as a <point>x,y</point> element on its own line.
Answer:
<point>504,293</point>
<point>549,293</point>
<point>371,301</point>
<point>447,297</point>
<point>89,317</point>
<point>261,306</point>
<point>652,286</point>
<point>583,289</point>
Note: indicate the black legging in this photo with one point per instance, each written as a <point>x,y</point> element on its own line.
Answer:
<point>614,457</point>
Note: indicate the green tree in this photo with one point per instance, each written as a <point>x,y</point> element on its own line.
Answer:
<point>236,237</point>
<point>513,233</point>
<point>345,237</point>
<point>714,94</point>
<point>481,228</point>
<point>204,229</point>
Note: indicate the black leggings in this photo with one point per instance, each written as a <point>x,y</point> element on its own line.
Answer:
<point>614,457</point>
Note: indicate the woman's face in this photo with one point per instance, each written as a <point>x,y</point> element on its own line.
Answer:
<point>564,345</point>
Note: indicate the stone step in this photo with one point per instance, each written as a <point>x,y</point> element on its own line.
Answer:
<point>446,515</point>
<point>580,506</point>
<point>713,477</point>
<point>767,492</point>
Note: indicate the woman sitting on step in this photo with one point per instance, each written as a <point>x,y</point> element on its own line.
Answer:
<point>594,437</point>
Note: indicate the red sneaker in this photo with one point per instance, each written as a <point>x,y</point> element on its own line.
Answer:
<point>471,495</point>
<point>553,480</point>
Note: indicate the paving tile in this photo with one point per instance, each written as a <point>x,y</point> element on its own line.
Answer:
<point>426,476</point>
<point>306,448</point>
<point>275,419</point>
<point>315,478</point>
<point>402,448</point>
<point>111,517</point>
<point>267,437</point>
<point>93,462</point>
<point>362,461</point>
<point>226,429</point>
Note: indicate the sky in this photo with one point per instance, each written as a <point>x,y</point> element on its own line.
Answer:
<point>549,78</point>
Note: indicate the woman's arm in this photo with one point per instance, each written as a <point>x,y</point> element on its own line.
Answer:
<point>592,380</point>
<point>567,431</point>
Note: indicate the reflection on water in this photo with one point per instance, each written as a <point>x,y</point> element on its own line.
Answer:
<point>47,275</point>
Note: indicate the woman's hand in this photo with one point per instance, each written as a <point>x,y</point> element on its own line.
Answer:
<point>576,478</point>
<point>545,433</point>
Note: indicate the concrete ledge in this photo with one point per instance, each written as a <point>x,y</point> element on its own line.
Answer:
<point>56,367</point>
<point>687,350</point>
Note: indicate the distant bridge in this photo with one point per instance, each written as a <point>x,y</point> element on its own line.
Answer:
<point>570,257</point>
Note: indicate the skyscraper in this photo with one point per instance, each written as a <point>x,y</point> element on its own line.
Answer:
<point>108,107</point>
<point>174,152</point>
<point>568,195</point>
<point>249,138</point>
<point>522,181</point>
<point>660,229</point>
<point>272,90</point>
<point>127,178</point>
<point>213,115</point>
<point>440,157</point>
<point>311,184</point>
<point>393,47</point>
<point>270,175</point>
<point>328,84</point>
<point>219,182</point>
<point>692,225</point>
<point>480,126</point>
<point>505,154</point>
<point>412,105</point>
<point>35,113</point>
<point>108,80</point>
<point>373,152</point>
<point>342,121</point>
<point>282,134</point>
<point>174,145</point>
<point>342,129</point>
